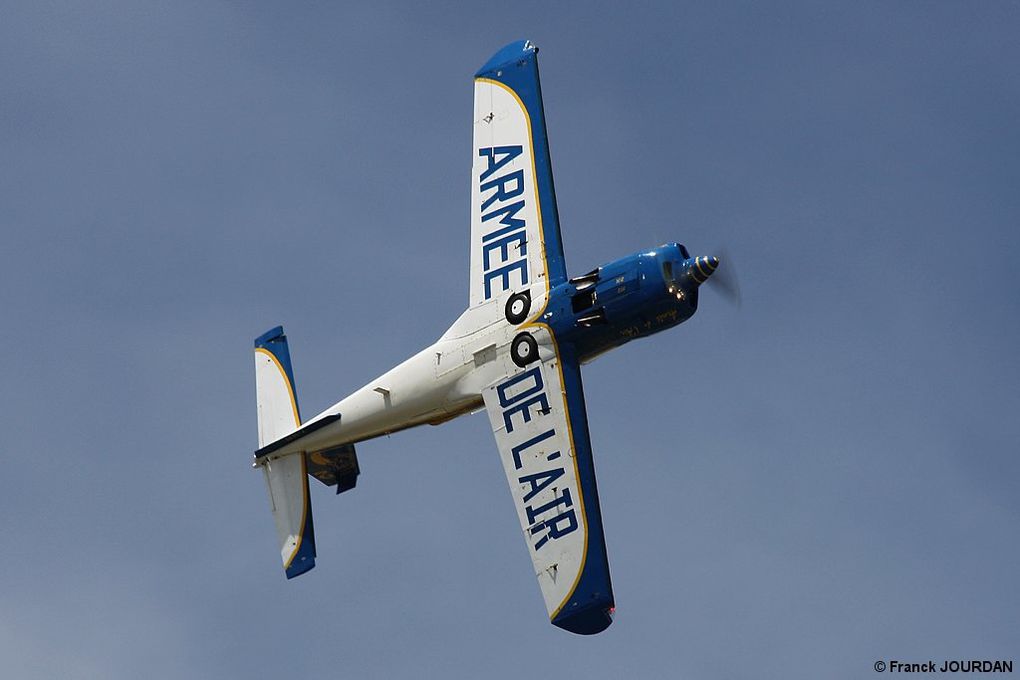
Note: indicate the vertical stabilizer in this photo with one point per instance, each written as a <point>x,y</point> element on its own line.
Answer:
<point>286,476</point>
<point>274,387</point>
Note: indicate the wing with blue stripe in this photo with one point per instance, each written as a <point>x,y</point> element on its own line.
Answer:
<point>538,416</point>
<point>515,232</point>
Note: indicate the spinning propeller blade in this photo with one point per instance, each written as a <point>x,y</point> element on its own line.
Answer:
<point>724,279</point>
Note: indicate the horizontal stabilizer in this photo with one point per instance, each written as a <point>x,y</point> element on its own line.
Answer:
<point>335,467</point>
<point>296,435</point>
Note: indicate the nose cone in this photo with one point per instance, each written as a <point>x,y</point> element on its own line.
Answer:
<point>702,268</point>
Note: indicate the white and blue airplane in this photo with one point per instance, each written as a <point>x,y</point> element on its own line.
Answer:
<point>517,350</point>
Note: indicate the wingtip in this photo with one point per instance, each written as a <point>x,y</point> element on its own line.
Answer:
<point>300,566</point>
<point>590,621</point>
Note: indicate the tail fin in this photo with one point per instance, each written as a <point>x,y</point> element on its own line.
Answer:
<point>286,476</point>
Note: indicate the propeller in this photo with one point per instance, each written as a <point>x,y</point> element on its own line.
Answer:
<point>724,279</point>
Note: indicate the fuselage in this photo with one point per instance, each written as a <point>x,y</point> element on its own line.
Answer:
<point>629,298</point>
<point>623,300</point>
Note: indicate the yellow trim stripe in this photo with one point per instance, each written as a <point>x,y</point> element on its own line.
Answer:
<point>286,380</point>
<point>697,263</point>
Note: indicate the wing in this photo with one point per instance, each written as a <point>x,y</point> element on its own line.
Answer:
<point>538,417</point>
<point>515,231</point>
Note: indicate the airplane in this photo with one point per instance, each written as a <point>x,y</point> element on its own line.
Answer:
<point>516,351</point>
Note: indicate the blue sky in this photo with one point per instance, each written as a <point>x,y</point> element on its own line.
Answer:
<point>818,480</point>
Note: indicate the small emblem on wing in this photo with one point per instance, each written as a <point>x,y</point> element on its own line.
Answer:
<point>517,307</point>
